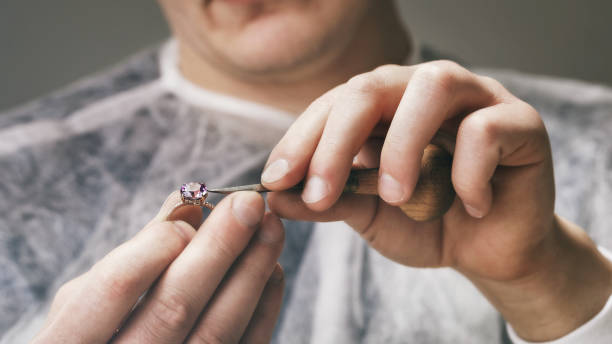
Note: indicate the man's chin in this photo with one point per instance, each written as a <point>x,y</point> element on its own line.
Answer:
<point>262,59</point>
<point>228,14</point>
<point>239,2</point>
<point>273,43</point>
<point>267,36</point>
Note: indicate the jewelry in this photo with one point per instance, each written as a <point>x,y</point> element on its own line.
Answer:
<point>195,193</point>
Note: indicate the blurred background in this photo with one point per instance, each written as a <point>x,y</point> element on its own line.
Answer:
<point>47,44</point>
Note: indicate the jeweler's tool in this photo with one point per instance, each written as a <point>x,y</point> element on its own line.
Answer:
<point>431,198</point>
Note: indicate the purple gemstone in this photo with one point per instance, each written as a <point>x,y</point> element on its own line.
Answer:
<point>194,191</point>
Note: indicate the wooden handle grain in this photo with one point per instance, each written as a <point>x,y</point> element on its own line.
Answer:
<point>433,194</point>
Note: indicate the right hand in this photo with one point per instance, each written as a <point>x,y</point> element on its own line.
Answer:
<point>220,283</point>
<point>501,232</point>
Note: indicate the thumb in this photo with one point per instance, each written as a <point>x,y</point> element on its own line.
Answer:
<point>173,209</point>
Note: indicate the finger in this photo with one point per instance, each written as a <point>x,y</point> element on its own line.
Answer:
<point>192,214</point>
<point>229,312</point>
<point>65,293</point>
<point>173,209</point>
<point>363,102</point>
<point>436,92</point>
<point>356,210</point>
<point>168,210</point>
<point>507,134</point>
<point>173,306</point>
<point>109,290</point>
<point>386,228</point>
<point>261,327</point>
<point>288,161</point>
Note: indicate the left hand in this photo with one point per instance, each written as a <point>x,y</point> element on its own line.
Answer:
<point>173,284</point>
<point>501,232</point>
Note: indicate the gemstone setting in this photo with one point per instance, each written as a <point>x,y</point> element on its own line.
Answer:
<point>194,193</point>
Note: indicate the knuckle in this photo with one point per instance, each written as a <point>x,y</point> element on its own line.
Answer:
<point>67,290</point>
<point>492,84</point>
<point>171,313</point>
<point>387,69</point>
<point>442,76</point>
<point>480,128</point>
<point>447,65</point>
<point>535,123</point>
<point>305,125</point>
<point>531,113</point>
<point>61,294</point>
<point>117,285</point>
<point>366,83</point>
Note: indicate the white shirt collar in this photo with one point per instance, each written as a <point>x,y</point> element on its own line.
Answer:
<point>191,93</point>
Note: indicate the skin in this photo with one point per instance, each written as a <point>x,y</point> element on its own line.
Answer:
<point>202,286</point>
<point>270,52</point>
<point>220,284</point>
<point>543,274</point>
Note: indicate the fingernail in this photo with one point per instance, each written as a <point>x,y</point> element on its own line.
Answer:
<point>316,189</point>
<point>184,229</point>
<point>390,189</point>
<point>269,231</point>
<point>277,274</point>
<point>474,212</point>
<point>275,171</point>
<point>244,212</point>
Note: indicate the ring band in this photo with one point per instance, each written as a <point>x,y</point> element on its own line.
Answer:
<point>198,203</point>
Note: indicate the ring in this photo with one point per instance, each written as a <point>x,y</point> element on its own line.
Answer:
<point>195,193</point>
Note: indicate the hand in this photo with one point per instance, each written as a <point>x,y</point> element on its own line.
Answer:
<point>501,232</point>
<point>218,284</point>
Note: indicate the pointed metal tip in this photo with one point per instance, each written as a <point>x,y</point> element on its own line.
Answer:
<point>229,190</point>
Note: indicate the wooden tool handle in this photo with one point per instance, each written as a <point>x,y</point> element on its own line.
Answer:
<point>433,194</point>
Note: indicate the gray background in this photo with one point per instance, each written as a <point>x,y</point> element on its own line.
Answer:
<point>47,44</point>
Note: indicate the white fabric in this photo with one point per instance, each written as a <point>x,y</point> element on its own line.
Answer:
<point>380,301</point>
<point>175,82</point>
<point>134,130</point>
<point>598,330</point>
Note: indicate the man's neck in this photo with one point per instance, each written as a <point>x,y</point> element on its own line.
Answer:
<point>380,40</point>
